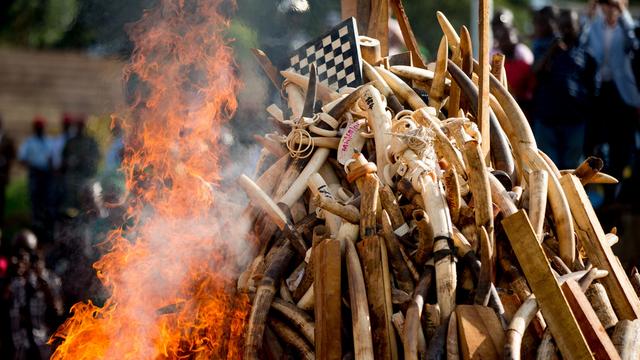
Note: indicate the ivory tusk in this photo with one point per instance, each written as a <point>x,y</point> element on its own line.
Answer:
<point>453,352</point>
<point>519,323</point>
<point>449,32</point>
<point>538,188</point>
<point>380,124</point>
<point>362,340</point>
<point>292,338</point>
<point>559,208</point>
<point>412,329</point>
<point>626,337</point>
<point>379,83</point>
<point>423,118</point>
<point>437,87</point>
<point>413,73</point>
<point>325,93</point>
<point>296,317</point>
<point>425,237</point>
<point>401,89</point>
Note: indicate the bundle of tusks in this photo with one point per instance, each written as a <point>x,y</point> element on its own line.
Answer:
<point>431,239</point>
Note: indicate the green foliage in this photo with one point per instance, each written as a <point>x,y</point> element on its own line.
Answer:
<point>100,25</point>
<point>37,23</point>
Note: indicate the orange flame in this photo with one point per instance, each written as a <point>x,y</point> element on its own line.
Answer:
<point>171,272</point>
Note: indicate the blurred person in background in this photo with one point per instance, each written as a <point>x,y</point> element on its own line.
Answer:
<point>115,153</point>
<point>610,43</point>
<point>33,301</point>
<point>57,146</point>
<point>518,57</point>
<point>36,155</point>
<point>7,155</point>
<point>545,31</point>
<point>80,158</point>
<point>560,96</point>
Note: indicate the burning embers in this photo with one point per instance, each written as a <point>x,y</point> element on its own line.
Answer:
<point>171,272</point>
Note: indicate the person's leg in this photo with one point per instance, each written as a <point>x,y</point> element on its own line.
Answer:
<point>622,145</point>
<point>572,143</point>
<point>619,130</point>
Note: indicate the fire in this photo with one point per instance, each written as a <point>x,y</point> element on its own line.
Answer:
<point>171,271</point>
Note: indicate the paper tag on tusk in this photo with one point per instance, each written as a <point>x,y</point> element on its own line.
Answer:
<point>351,141</point>
<point>402,230</point>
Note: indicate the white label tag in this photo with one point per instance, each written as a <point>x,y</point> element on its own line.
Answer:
<point>351,141</point>
<point>403,229</point>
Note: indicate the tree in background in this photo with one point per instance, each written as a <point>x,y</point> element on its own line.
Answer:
<point>100,26</point>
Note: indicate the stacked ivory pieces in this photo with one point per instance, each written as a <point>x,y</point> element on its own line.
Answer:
<point>395,221</point>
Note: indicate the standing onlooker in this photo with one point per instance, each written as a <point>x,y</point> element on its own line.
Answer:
<point>545,31</point>
<point>80,163</point>
<point>35,154</point>
<point>115,153</point>
<point>7,155</point>
<point>33,302</point>
<point>58,142</point>
<point>560,95</point>
<point>57,147</point>
<point>609,40</point>
<point>518,57</point>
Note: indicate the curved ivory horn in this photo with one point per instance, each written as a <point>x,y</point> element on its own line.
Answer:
<point>438,211</point>
<point>264,202</point>
<point>500,197</point>
<point>522,134</point>
<point>292,338</point>
<point>401,89</point>
<point>452,189</point>
<point>601,304</point>
<point>436,92</point>
<point>380,124</point>
<point>378,81</point>
<point>319,187</point>
<point>538,188</point>
<point>519,323</point>
<point>362,340</point>
<point>325,93</point>
<point>626,337</point>
<point>297,318</point>
<point>295,99</point>
<point>265,293</point>
<point>413,73</point>
<point>559,208</point>
<point>425,237</point>
<point>300,184</point>
<point>500,151</point>
<point>449,153</point>
<point>412,329</point>
<point>453,352</point>
<point>602,178</point>
<point>452,36</point>
<point>547,349</point>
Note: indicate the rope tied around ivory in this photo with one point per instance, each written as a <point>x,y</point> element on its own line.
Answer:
<point>420,140</point>
<point>298,147</point>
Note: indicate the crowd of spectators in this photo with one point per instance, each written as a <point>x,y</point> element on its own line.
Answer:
<point>577,84</point>
<point>46,269</point>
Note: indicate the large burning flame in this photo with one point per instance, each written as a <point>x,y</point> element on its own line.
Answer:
<point>171,271</point>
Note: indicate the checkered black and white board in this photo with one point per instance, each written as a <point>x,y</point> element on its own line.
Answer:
<point>336,55</point>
